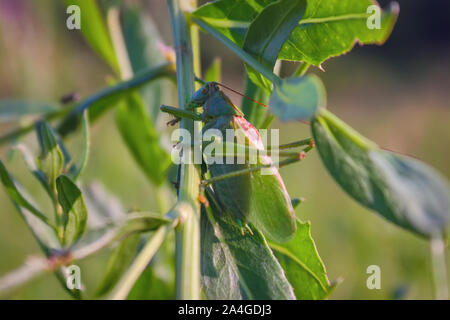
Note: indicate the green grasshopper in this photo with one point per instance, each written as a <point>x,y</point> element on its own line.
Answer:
<point>240,189</point>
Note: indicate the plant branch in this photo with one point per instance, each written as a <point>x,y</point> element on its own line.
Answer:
<point>139,264</point>
<point>248,58</point>
<point>188,231</point>
<point>437,249</point>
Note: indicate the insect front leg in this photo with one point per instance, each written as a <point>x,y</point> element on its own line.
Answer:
<point>180,113</point>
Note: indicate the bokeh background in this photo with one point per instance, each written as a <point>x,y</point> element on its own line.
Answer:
<point>397,95</point>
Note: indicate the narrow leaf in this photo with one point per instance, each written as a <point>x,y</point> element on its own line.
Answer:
<point>142,40</point>
<point>38,223</point>
<point>142,139</point>
<point>51,161</point>
<point>33,167</point>
<point>268,32</point>
<point>94,30</point>
<point>108,97</point>
<point>150,286</point>
<point>403,190</point>
<point>74,210</point>
<point>118,263</point>
<point>76,169</point>
<point>16,195</point>
<point>17,109</point>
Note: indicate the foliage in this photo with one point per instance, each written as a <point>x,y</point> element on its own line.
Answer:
<point>222,262</point>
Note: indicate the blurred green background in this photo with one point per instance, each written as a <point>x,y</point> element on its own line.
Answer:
<point>397,95</point>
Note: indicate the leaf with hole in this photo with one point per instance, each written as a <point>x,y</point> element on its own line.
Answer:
<point>327,29</point>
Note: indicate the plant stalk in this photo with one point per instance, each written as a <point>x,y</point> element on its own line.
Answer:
<point>188,231</point>
<point>437,250</point>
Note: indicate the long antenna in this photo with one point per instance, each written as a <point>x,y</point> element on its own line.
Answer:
<point>243,95</point>
<point>255,101</point>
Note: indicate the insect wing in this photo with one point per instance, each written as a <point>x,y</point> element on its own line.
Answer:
<point>270,205</point>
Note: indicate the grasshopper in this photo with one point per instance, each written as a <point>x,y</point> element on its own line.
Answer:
<point>239,189</point>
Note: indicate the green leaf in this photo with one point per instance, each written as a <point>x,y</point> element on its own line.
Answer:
<point>118,263</point>
<point>268,32</point>
<point>139,222</point>
<point>332,28</point>
<point>38,223</point>
<point>303,267</point>
<point>292,99</point>
<point>16,195</point>
<point>142,139</point>
<point>297,98</point>
<point>33,167</point>
<point>51,160</point>
<point>151,287</point>
<point>101,101</point>
<point>214,74</point>
<point>327,29</point>
<point>142,40</point>
<point>11,110</point>
<point>236,266</point>
<point>231,17</point>
<point>74,210</point>
<point>45,234</point>
<point>76,169</point>
<point>245,56</point>
<point>94,30</point>
<point>403,190</point>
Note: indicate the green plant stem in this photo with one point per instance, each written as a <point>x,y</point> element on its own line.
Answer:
<point>139,264</point>
<point>188,231</point>
<point>163,70</point>
<point>249,59</point>
<point>437,250</point>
